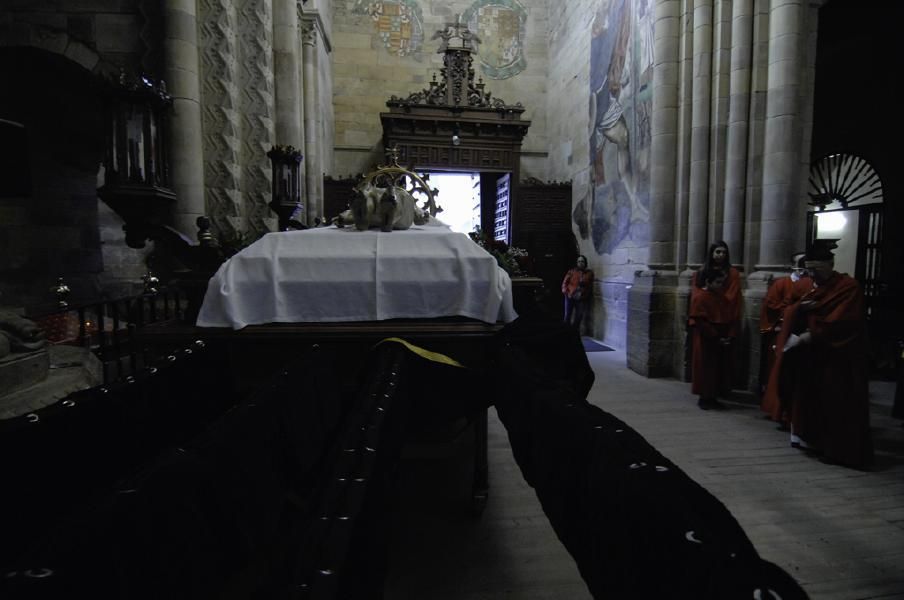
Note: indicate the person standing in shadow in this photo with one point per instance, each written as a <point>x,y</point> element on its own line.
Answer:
<point>782,293</point>
<point>714,319</point>
<point>577,287</point>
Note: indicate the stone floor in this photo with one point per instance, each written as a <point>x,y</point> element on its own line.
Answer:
<point>839,532</point>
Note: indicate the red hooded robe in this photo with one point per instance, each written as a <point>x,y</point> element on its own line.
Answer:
<point>714,315</point>
<point>783,292</point>
<point>827,379</point>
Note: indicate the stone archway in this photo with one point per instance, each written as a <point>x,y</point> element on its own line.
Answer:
<point>51,228</point>
<point>56,41</point>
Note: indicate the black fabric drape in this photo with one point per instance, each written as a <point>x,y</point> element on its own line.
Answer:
<point>636,524</point>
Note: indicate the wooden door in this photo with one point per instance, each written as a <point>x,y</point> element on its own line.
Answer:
<point>502,230</point>
<point>542,226</point>
<point>337,194</point>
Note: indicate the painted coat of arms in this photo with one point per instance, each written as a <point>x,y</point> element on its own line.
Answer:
<point>501,24</point>
<point>399,23</point>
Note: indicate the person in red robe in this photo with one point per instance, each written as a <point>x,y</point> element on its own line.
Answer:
<point>827,376</point>
<point>783,292</point>
<point>577,287</point>
<point>714,319</point>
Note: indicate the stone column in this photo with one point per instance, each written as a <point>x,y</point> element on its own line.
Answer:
<point>805,118</point>
<point>700,132</point>
<point>286,73</point>
<point>313,176</point>
<point>785,153</point>
<point>664,135</point>
<point>256,113</point>
<point>652,335</point>
<point>721,88</point>
<point>683,147</point>
<point>736,185</point>
<point>180,71</point>
<point>300,94</point>
<point>782,175</point>
<point>221,90</point>
<point>738,114</point>
<point>756,133</point>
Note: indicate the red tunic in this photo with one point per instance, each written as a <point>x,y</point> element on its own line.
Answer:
<point>827,378</point>
<point>712,316</point>
<point>783,292</point>
<point>576,279</point>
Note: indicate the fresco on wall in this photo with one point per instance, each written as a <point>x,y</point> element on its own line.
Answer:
<point>500,25</point>
<point>621,78</point>
<point>399,23</point>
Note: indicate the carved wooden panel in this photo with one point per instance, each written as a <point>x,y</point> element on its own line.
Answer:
<point>453,157</point>
<point>544,206</point>
<point>337,194</point>
<point>502,219</point>
<point>542,226</point>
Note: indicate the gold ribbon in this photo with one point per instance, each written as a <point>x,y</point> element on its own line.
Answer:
<point>424,353</point>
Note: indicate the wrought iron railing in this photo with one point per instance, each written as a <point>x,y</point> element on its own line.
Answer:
<point>108,327</point>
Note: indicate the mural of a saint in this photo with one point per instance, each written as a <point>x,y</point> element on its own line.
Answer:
<point>619,132</point>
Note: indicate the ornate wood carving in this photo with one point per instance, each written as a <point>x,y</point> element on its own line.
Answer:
<point>337,194</point>
<point>286,191</point>
<point>455,123</point>
<point>136,167</point>
<point>542,226</point>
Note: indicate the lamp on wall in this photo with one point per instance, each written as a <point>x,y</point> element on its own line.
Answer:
<point>285,198</point>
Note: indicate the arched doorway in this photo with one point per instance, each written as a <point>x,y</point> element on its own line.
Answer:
<point>847,204</point>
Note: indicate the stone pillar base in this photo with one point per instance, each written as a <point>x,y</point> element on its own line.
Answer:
<point>653,339</point>
<point>21,370</point>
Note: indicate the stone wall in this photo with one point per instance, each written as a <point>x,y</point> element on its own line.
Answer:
<point>50,230</point>
<point>235,43</point>
<point>374,59</point>
<point>599,137</point>
<point>733,111</point>
<point>49,52</point>
<point>219,61</point>
<point>85,31</point>
<point>595,135</point>
<point>123,266</point>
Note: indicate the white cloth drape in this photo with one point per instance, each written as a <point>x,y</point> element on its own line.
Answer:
<point>330,274</point>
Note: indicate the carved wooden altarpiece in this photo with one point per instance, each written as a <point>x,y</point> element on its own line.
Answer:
<point>455,124</point>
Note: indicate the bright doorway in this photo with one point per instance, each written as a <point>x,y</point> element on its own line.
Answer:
<point>459,197</point>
